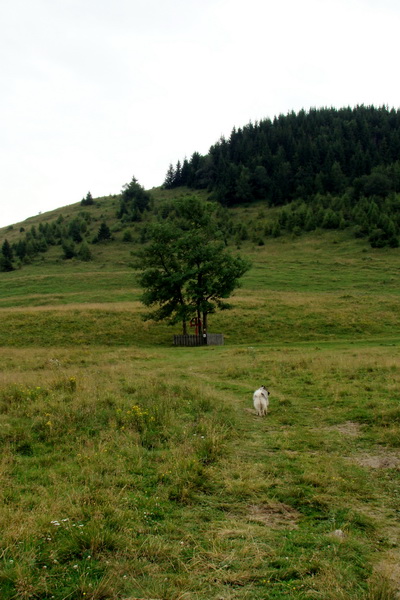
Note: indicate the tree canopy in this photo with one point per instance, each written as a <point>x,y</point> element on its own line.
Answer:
<point>185,268</point>
<point>341,160</point>
<point>295,155</point>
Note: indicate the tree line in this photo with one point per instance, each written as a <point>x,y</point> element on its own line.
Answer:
<point>350,156</point>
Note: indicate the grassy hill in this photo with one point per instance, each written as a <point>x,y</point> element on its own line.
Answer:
<point>133,469</point>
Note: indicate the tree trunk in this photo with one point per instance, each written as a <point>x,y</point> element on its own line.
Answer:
<point>184,327</point>
<point>200,324</point>
<point>205,325</point>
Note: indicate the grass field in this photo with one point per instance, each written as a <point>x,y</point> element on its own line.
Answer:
<point>133,469</point>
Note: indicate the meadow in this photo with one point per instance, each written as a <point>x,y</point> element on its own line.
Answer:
<point>133,469</point>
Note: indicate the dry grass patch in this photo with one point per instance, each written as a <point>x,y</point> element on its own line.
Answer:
<point>133,306</point>
<point>274,515</point>
<point>349,428</point>
<point>383,459</point>
<point>387,573</point>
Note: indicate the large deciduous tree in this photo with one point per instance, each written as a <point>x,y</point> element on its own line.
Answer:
<point>186,269</point>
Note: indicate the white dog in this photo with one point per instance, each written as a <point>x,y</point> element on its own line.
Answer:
<point>260,400</point>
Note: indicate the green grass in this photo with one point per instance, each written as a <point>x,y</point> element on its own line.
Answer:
<point>133,473</point>
<point>133,469</point>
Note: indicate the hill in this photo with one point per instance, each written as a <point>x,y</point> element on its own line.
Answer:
<point>341,273</point>
<point>338,168</point>
<point>134,469</point>
<point>330,169</point>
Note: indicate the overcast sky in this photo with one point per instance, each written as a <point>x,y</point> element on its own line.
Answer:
<point>94,92</point>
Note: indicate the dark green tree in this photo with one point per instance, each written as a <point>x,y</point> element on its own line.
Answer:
<point>186,270</point>
<point>84,252</point>
<point>76,228</point>
<point>178,173</point>
<point>88,201</point>
<point>243,190</point>
<point>163,276</point>
<point>169,181</point>
<point>6,250</point>
<point>134,201</point>
<point>20,249</point>
<point>104,233</point>
<point>69,249</point>
<point>299,155</point>
<point>128,236</point>
<point>6,257</point>
<point>261,182</point>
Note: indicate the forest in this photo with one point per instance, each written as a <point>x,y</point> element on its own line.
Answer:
<point>330,168</point>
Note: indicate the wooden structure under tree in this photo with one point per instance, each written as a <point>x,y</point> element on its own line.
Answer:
<point>209,339</point>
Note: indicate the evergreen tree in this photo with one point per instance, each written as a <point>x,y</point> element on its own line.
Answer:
<point>178,174</point>
<point>134,201</point>
<point>169,181</point>
<point>127,237</point>
<point>104,233</point>
<point>6,250</point>
<point>331,219</point>
<point>76,228</point>
<point>243,190</point>
<point>69,249</point>
<point>260,182</point>
<point>20,249</point>
<point>88,201</point>
<point>6,257</point>
<point>322,151</point>
<point>185,172</point>
<point>84,252</point>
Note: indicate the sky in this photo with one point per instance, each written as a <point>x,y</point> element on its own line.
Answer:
<point>95,92</point>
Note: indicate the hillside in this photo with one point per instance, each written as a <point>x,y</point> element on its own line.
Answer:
<point>82,232</point>
<point>341,273</point>
<point>134,469</point>
<point>337,168</point>
<point>326,169</point>
<point>131,468</point>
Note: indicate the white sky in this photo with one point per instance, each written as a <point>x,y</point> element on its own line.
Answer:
<point>94,92</point>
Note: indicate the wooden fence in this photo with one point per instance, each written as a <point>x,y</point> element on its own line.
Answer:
<point>212,339</point>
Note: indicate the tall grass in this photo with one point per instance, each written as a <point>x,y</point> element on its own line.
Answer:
<point>128,473</point>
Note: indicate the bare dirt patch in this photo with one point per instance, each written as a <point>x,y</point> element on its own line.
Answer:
<point>349,428</point>
<point>274,515</point>
<point>383,459</point>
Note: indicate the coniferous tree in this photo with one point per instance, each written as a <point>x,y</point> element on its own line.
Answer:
<point>6,257</point>
<point>169,180</point>
<point>69,249</point>
<point>104,233</point>
<point>88,201</point>
<point>320,151</point>
<point>134,201</point>
<point>178,174</point>
<point>76,228</point>
<point>84,252</point>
